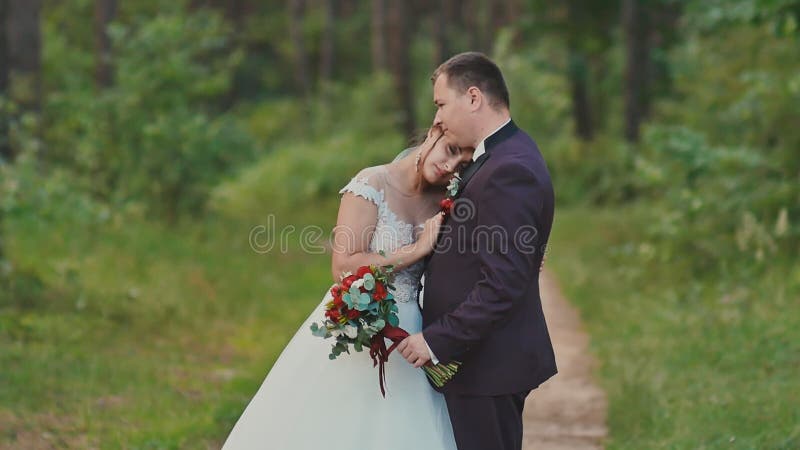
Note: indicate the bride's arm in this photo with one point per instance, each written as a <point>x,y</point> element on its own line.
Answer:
<point>354,229</point>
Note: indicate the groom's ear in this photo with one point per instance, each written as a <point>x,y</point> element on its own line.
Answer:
<point>475,97</point>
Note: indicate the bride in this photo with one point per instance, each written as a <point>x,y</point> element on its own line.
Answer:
<point>308,401</point>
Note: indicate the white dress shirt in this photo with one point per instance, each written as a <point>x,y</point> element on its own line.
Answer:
<point>479,150</point>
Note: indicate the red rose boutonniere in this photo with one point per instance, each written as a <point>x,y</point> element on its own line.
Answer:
<point>452,189</point>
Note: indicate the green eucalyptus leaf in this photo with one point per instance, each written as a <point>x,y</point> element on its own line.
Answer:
<point>369,282</point>
<point>363,302</point>
<point>348,300</point>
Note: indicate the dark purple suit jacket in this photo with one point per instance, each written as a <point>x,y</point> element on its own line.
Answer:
<point>481,301</point>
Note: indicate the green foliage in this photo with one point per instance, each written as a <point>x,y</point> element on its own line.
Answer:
<point>540,100</point>
<point>27,192</point>
<point>350,131</point>
<point>741,76</point>
<point>154,137</point>
<point>302,173</point>
<point>719,204</point>
<point>724,178</point>
<point>782,16</point>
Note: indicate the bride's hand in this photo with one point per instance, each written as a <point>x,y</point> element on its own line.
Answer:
<point>430,231</point>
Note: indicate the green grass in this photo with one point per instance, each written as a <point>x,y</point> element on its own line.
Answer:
<point>133,335</point>
<point>137,336</point>
<point>689,360</point>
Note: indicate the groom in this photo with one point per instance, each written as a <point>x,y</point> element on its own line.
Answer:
<point>481,303</point>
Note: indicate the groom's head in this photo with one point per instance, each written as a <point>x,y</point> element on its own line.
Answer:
<point>470,95</point>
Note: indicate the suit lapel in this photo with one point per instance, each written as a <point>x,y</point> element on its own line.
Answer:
<point>492,141</point>
<point>471,170</point>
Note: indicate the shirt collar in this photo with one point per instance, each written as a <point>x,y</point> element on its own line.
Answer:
<point>481,148</point>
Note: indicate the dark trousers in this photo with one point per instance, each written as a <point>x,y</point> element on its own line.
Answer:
<point>487,423</point>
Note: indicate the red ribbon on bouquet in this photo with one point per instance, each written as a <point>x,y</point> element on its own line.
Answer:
<point>379,352</point>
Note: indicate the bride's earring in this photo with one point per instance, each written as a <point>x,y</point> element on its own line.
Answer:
<point>416,162</point>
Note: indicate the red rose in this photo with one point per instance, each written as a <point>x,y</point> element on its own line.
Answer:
<point>353,314</point>
<point>333,314</point>
<point>336,291</point>
<point>347,282</point>
<point>446,204</point>
<point>363,270</point>
<point>380,292</point>
<point>338,302</point>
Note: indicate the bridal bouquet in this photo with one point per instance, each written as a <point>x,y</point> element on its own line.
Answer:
<point>362,313</point>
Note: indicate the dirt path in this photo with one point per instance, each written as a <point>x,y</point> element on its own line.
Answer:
<point>568,412</point>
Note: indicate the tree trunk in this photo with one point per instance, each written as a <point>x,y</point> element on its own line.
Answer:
<point>5,143</point>
<point>378,31</point>
<point>328,39</point>
<point>296,15</point>
<point>578,74</point>
<point>472,24</point>
<point>400,64</point>
<point>441,31</point>
<point>637,55</point>
<point>347,8</point>
<point>498,16</point>
<point>514,11</point>
<point>25,43</point>
<point>104,13</point>
<point>236,11</point>
<point>581,107</point>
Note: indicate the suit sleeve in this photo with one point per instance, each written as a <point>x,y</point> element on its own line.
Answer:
<point>509,206</point>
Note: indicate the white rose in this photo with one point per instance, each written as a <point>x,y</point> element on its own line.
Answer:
<point>351,331</point>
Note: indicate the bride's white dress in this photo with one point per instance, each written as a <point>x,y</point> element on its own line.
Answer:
<point>310,402</point>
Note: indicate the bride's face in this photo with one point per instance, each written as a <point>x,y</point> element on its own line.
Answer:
<point>445,159</point>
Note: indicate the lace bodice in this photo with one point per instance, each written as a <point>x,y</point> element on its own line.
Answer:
<point>400,219</point>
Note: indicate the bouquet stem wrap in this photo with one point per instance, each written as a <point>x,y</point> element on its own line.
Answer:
<point>379,352</point>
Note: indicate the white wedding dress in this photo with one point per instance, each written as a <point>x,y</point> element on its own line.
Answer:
<point>309,402</point>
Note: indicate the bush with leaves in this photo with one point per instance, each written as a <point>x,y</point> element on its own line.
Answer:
<point>722,165</point>
<point>313,155</point>
<point>155,136</point>
<point>716,204</point>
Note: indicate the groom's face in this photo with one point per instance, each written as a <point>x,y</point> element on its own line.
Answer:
<point>453,112</point>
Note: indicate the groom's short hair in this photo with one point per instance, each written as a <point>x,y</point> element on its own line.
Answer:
<point>475,69</point>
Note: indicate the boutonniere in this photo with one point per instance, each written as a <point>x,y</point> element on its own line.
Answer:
<point>452,189</point>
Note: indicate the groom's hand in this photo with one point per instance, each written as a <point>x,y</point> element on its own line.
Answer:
<point>415,350</point>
